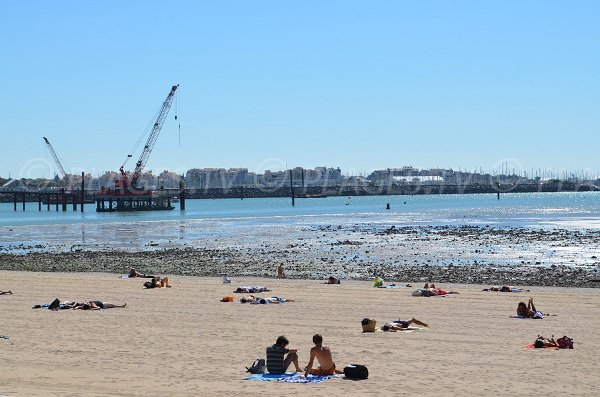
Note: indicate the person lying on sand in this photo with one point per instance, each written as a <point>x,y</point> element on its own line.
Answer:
<point>96,305</point>
<point>545,342</point>
<point>333,280</point>
<point>134,273</point>
<point>323,356</point>
<point>505,288</point>
<point>400,325</point>
<point>9,292</point>
<point>432,290</point>
<point>157,282</point>
<point>258,300</point>
<point>529,310</point>
<point>251,289</point>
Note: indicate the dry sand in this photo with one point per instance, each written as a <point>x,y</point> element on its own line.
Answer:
<point>182,341</point>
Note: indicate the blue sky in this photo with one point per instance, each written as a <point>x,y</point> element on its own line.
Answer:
<point>276,84</point>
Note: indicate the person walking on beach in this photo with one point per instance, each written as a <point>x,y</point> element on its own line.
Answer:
<point>280,273</point>
<point>323,356</point>
<point>276,362</point>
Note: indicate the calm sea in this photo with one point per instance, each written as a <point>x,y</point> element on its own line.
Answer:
<point>262,218</point>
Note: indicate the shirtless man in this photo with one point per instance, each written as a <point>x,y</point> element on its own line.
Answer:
<point>323,355</point>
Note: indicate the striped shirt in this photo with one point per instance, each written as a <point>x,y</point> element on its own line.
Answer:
<point>275,355</point>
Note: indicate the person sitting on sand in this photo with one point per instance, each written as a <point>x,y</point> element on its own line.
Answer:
<point>333,280</point>
<point>276,362</point>
<point>9,292</point>
<point>134,273</point>
<point>96,305</point>
<point>323,356</point>
<point>400,325</point>
<point>157,282</point>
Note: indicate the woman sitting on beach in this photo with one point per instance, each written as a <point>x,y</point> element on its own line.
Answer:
<point>157,282</point>
<point>529,310</point>
<point>401,325</point>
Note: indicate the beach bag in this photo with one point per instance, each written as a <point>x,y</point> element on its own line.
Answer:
<point>368,325</point>
<point>259,366</point>
<point>565,342</point>
<point>356,371</point>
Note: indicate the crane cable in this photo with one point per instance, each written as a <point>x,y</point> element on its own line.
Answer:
<point>177,119</point>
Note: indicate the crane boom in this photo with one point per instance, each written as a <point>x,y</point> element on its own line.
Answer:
<point>61,170</point>
<point>162,115</point>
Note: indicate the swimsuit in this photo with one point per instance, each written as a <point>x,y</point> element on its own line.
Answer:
<point>322,372</point>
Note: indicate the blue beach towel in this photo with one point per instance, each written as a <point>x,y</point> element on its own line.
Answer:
<point>310,379</point>
<point>291,377</point>
<point>269,377</point>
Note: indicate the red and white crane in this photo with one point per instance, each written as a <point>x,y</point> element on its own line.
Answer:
<point>130,181</point>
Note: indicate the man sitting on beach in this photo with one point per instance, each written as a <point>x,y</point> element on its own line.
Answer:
<point>276,362</point>
<point>323,356</point>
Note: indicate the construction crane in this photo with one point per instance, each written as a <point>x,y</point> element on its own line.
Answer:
<point>61,170</point>
<point>131,181</point>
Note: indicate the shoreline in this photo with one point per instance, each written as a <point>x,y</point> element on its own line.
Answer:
<point>462,255</point>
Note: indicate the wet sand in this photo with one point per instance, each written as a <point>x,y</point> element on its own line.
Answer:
<point>460,254</point>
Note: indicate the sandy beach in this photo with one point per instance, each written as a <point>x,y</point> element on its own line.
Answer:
<point>182,341</point>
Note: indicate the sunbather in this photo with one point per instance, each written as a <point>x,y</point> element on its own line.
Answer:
<point>157,282</point>
<point>432,290</point>
<point>323,356</point>
<point>134,273</point>
<point>400,325</point>
<point>258,300</point>
<point>9,292</point>
<point>251,289</point>
<point>505,288</point>
<point>529,310</point>
<point>96,305</point>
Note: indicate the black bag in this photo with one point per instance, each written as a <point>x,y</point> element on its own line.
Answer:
<point>356,371</point>
<point>258,367</point>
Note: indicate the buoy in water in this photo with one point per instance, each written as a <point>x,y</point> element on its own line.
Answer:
<point>387,206</point>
